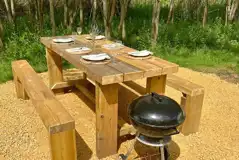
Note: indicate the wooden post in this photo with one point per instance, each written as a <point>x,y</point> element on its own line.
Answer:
<point>156,84</point>
<point>192,106</point>
<point>54,64</point>
<point>63,145</point>
<point>106,119</point>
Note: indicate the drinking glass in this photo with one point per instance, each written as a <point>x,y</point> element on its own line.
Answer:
<point>79,30</point>
<point>119,41</point>
<point>74,34</point>
<point>94,32</point>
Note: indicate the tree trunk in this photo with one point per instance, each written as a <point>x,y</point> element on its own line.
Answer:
<point>13,10</point>
<point>73,7</point>
<point>155,21</point>
<point>35,9</point>
<point>1,34</point>
<point>52,16</point>
<point>123,11</point>
<point>227,10</point>
<point>65,12</point>
<point>204,21</point>
<point>9,15</point>
<point>81,13</point>
<point>108,7</point>
<point>170,14</point>
<point>233,10</point>
<point>38,11</point>
<point>123,31</point>
<point>112,10</point>
<point>41,14</point>
<point>94,11</point>
<point>105,14</point>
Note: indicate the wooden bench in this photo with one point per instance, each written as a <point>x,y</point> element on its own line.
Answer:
<point>58,122</point>
<point>191,100</point>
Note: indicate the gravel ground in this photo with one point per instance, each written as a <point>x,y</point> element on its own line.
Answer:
<point>23,136</point>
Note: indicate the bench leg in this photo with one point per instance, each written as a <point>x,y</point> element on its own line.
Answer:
<point>106,119</point>
<point>63,145</point>
<point>192,106</point>
<point>54,64</point>
<point>156,84</point>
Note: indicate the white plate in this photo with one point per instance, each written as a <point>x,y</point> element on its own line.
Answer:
<point>143,53</point>
<point>113,46</point>
<point>97,37</point>
<point>96,57</point>
<point>78,49</point>
<point>63,40</point>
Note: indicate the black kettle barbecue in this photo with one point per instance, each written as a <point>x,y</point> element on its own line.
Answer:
<point>156,118</point>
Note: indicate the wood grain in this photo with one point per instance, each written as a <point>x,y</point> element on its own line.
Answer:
<point>184,86</point>
<point>192,105</point>
<point>156,84</point>
<point>53,114</point>
<point>129,72</point>
<point>124,69</point>
<point>101,73</point>
<point>20,91</point>
<point>106,119</point>
<point>54,64</point>
<point>63,145</point>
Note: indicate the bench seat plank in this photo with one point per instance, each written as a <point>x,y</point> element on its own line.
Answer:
<point>184,86</point>
<point>53,114</point>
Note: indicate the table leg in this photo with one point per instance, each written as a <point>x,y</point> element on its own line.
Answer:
<point>156,84</point>
<point>54,64</point>
<point>106,119</point>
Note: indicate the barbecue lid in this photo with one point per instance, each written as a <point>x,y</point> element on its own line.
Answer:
<point>156,111</point>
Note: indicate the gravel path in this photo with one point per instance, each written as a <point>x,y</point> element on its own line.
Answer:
<point>23,136</point>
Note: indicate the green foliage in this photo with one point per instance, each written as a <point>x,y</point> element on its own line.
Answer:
<point>184,42</point>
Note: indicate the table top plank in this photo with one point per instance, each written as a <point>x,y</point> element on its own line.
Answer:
<point>101,73</point>
<point>130,72</point>
<point>149,69</point>
<point>167,67</point>
<point>121,68</point>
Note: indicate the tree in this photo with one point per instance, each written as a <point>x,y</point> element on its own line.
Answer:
<point>73,9</point>
<point>204,21</point>
<point>52,16</point>
<point>155,21</point>
<point>94,9</point>
<point>81,13</point>
<point>65,4</point>
<point>231,8</point>
<point>9,14</point>
<point>39,13</point>
<point>108,13</point>
<point>13,9</point>
<point>170,14</point>
<point>123,11</point>
<point>1,34</point>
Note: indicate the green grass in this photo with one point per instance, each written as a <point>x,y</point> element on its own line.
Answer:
<point>185,42</point>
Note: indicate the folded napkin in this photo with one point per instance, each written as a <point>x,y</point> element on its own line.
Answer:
<point>78,49</point>
<point>113,45</point>
<point>96,57</point>
<point>63,40</point>
<point>97,37</point>
<point>142,53</point>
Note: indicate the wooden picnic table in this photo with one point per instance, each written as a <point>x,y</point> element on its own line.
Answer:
<point>106,77</point>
